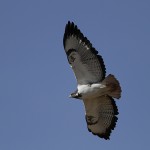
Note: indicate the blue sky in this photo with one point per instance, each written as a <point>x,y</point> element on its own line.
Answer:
<point>35,78</point>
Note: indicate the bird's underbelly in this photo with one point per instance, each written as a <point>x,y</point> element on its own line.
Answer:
<point>90,91</point>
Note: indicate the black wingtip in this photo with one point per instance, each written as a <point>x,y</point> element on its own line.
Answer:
<point>107,134</point>
<point>67,31</point>
<point>72,29</point>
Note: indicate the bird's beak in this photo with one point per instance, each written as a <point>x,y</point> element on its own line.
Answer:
<point>70,96</point>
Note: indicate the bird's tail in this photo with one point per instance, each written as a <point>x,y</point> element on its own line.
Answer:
<point>113,86</point>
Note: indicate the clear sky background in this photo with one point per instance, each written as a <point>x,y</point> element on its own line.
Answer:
<point>35,78</point>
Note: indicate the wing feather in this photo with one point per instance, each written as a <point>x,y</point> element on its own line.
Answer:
<point>86,64</point>
<point>101,115</point>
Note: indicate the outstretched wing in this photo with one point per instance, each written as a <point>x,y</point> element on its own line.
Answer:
<point>86,64</point>
<point>101,115</point>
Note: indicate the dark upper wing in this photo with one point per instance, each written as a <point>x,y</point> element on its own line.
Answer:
<point>86,64</point>
<point>101,115</point>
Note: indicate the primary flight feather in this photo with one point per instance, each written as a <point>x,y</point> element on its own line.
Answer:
<point>94,88</point>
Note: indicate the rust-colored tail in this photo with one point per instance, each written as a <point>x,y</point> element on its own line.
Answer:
<point>114,89</point>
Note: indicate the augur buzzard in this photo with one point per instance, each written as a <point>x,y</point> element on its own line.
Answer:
<point>95,89</point>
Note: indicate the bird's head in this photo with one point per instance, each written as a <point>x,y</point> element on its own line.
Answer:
<point>75,95</point>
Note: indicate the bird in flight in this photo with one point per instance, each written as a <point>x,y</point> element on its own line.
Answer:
<point>94,88</point>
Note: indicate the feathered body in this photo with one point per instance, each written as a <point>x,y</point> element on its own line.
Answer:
<point>94,88</point>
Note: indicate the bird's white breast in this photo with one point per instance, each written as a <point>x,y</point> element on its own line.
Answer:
<point>93,90</point>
